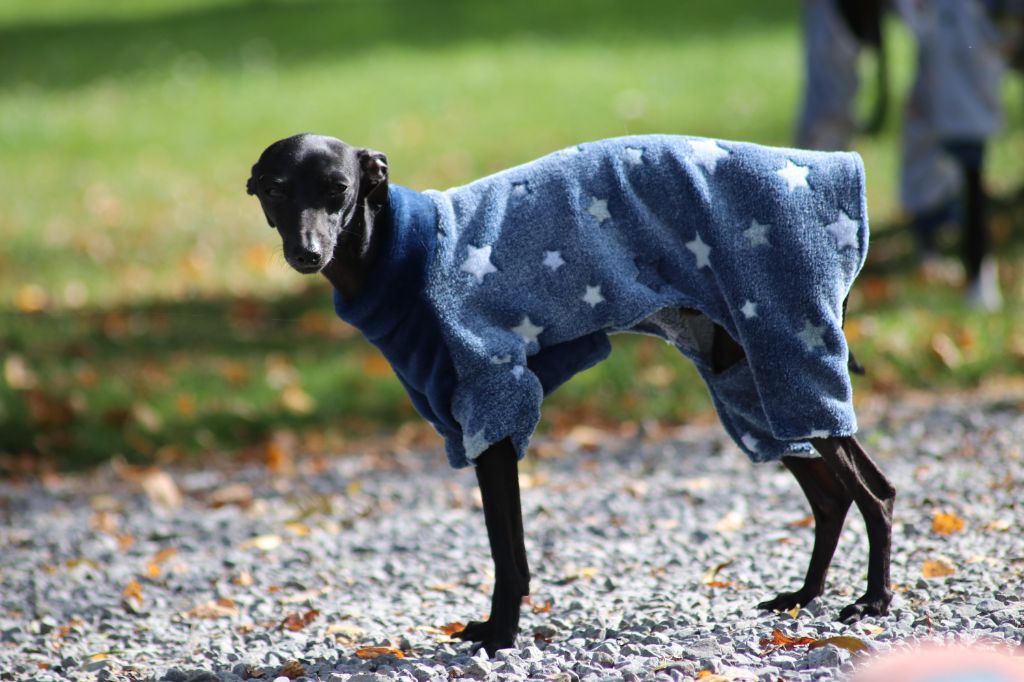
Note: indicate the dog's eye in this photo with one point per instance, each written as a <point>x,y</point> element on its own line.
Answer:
<point>274,192</point>
<point>337,190</point>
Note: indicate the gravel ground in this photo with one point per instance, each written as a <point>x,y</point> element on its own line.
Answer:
<point>252,575</point>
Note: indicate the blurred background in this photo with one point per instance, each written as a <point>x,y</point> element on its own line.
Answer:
<point>145,310</point>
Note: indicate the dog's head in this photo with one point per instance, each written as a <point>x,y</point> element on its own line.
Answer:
<point>319,193</point>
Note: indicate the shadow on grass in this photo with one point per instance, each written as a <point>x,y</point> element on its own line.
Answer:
<point>194,376</point>
<point>235,35</point>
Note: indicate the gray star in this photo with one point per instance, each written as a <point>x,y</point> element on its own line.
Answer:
<point>844,229</point>
<point>599,209</point>
<point>479,263</point>
<point>475,444</point>
<point>634,156</point>
<point>749,309</point>
<point>553,259</point>
<point>520,189</point>
<point>812,335</point>
<point>756,234</point>
<point>528,331</point>
<point>706,154</point>
<point>749,442</point>
<point>794,175</point>
<point>593,296</point>
<point>701,251</point>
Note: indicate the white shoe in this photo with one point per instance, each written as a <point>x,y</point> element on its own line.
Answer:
<point>983,293</point>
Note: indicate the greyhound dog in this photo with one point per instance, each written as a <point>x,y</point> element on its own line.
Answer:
<point>485,298</point>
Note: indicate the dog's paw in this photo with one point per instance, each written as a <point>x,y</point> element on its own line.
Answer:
<point>487,635</point>
<point>864,607</point>
<point>787,601</point>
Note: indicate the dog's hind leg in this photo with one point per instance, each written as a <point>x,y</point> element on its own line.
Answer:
<point>497,473</point>
<point>874,495</point>
<point>829,503</point>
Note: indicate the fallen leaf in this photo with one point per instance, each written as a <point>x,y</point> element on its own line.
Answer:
<point>732,521</point>
<point>243,579</point>
<point>266,543</point>
<point>236,494</point>
<point>998,525</point>
<point>221,608</point>
<point>451,628</point>
<point>947,351</point>
<point>711,574</point>
<point>296,400</point>
<point>542,608</point>
<point>946,523</point>
<point>298,621</point>
<point>586,437</point>
<point>848,642</point>
<point>292,670</point>
<point>296,528</point>
<point>376,366</point>
<point>348,632</point>
<point>708,676</point>
<point>802,523</point>
<point>794,612</point>
<point>937,568</point>
<point>158,485</point>
<point>133,591</point>
<point>377,651</point>
<point>17,373</point>
<point>153,567</point>
<point>305,595</point>
<point>781,640</point>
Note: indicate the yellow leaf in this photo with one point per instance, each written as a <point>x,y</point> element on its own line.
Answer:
<point>945,523</point>
<point>297,401</point>
<point>937,568</point>
<point>377,651</point>
<point>299,529</point>
<point>221,608</point>
<point>163,555</point>
<point>794,612</point>
<point>133,591</point>
<point>711,575</point>
<point>848,642</point>
<point>266,543</point>
<point>30,298</point>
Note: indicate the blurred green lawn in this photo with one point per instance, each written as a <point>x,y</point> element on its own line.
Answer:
<point>145,311</point>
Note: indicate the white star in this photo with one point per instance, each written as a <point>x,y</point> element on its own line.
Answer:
<point>844,229</point>
<point>706,153</point>
<point>528,331</point>
<point>501,359</point>
<point>794,175</point>
<point>593,296</point>
<point>634,156</point>
<point>599,209</point>
<point>520,189</point>
<point>479,263</point>
<point>755,234</point>
<point>701,251</point>
<point>553,259</point>
<point>749,309</point>
<point>812,335</point>
<point>475,444</point>
<point>517,371</point>
<point>749,442</point>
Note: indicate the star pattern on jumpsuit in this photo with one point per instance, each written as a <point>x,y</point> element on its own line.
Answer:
<point>593,296</point>
<point>634,156</point>
<point>844,229</point>
<point>478,263</point>
<point>756,234</point>
<point>707,153</point>
<point>528,331</point>
<point>701,250</point>
<point>474,444</point>
<point>553,260</point>
<point>794,175</point>
<point>599,209</point>
<point>812,335</point>
<point>749,309</point>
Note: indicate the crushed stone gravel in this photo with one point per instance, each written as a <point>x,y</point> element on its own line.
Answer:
<point>648,559</point>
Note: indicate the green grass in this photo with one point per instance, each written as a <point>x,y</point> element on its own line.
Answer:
<point>127,129</point>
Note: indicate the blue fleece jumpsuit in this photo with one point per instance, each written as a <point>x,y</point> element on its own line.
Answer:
<point>487,297</point>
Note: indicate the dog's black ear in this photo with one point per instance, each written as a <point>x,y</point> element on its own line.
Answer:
<point>250,184</point>
<point>374,184</point>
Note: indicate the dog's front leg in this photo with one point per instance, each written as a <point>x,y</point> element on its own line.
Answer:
<point>497,473</point>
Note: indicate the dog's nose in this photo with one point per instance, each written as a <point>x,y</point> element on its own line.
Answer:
<point>306,259</point>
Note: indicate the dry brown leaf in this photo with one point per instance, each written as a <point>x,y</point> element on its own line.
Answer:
<point>236,494</point>
<point>732,521</point>
<point>452,628</point>
<point>278,458</point>
<point>243,579</point>
<point>297,621</point>
<point>998,525</point>
<point>133,591</point>
<point>711,575</point>
<point>377,651</point>
<point>221,608</point>
<point>937,568</point>
<point>542,608</point>
<point>848,642</point>
<point>780,639</point>
<point>708,676</point>
<point>946,523</point>
<point>802,523</point>
<point>292,670</point>
<point>586,437</point>
<point>345,631</point>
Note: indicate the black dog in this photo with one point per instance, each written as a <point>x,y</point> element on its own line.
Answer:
<point>329,202</point>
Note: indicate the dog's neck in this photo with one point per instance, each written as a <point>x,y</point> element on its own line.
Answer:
<point>355,252</point>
